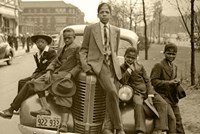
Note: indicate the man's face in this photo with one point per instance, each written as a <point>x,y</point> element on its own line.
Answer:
<point>170,55</point>
<point>68,38</point>
<point>130,58</point>
<point>104,14</point>
<point>41,44</point>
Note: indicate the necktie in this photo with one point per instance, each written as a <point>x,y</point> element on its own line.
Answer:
<point>105,35</point>
<point>106,45</point>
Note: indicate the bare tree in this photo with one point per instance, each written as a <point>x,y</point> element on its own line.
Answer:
<point>190,32</point>
<point>193,71</point>
<point>145,31</point>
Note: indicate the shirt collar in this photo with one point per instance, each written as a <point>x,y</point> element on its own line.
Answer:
<point>102,25</point>
<point>46,49</point>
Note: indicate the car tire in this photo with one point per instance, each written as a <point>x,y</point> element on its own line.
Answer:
<point>9,62</point>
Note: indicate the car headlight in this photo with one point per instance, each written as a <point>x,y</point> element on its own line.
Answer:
<point>125,93</point>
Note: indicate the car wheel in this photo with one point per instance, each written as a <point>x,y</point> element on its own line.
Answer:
<point>9,62</point>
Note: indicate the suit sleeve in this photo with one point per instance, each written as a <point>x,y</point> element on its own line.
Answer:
<point>84,49</point>
<point>125,76</point>
<point>77,68</point>
<point>147,81</point>
<point>156,75</point>
<point>55,63</point>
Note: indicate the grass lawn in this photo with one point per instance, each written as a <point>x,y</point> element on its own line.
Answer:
<point>190,105</point>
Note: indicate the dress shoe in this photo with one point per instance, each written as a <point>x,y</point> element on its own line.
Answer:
<point>121,131</point>
<point>63,128</point>
<point>158,132</point>
<point>40,112</point>
<point>8,113</point>
<point>107,131</point>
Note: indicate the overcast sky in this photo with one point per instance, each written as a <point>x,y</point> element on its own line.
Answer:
<point>89,7</point>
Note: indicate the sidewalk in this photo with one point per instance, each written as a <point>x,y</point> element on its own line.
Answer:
<point>22,51</point>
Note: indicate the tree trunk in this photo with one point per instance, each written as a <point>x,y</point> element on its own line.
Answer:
<point>192,45</point>
<point>145,31</point>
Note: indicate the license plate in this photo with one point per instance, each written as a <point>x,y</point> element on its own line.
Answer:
<point>46,121</point>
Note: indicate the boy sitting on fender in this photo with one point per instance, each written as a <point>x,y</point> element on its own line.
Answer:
<point>134,75</point>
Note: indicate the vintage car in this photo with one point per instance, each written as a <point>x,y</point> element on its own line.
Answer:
<point>88,110</point>
<point>6,52</point>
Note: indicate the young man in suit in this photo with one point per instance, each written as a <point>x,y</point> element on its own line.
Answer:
<point>43,58</point>
<point>164,79</point>
<point>65,66</point>
<point>134,75</point>
<point>98,56</point>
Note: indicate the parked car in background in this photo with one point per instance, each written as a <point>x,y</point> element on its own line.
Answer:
<point>6,52</point>
<point>88,110</point>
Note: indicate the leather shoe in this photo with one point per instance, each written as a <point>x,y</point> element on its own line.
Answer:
<point>8,113</point>
<point>107,131</point>
<point>40,112</point>
<point>121,131</point>
<point>63,128</point>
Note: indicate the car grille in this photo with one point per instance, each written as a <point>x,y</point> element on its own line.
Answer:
<point>88,105</point>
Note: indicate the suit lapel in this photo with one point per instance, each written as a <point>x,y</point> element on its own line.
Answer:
<point>112,34</point>
<point>167,68</point>
<point>98,37</point>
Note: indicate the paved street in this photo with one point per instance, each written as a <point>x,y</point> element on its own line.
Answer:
<point>23,65</point>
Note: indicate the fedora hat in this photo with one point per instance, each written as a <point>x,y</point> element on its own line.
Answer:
<point>149,109</point>
<point>180,92</point>
<point>63,87</point>
<point>34,38</point>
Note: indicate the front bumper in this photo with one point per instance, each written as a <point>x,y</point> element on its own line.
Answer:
<point>32,130</point>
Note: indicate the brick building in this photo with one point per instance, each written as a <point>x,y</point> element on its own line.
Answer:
<point>49,16</point>
<point>9,16</point>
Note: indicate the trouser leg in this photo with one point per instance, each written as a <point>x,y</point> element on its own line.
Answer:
<point>160,104</point>
<point>179,125</point>
<point>171,120</point>
<point>139,113</point>
<point>22,82</point>
<point>112,101</point>
<point>25,92</point>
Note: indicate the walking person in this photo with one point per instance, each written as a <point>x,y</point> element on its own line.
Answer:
<point>43,58</point>
<point>164,79</point>
<point>98,56</point>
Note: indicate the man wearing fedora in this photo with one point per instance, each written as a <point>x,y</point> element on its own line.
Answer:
<point>134,75</point>
<point>165,82</point>
<point>43,58</point>
<point>59,79</point>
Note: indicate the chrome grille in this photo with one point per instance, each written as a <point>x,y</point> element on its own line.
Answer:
<point>88,105</point>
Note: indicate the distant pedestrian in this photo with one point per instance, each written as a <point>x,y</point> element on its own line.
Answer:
<point>15,41</point>
<point>10,40</point>
<point>28,40</point>
<point>23,40</point>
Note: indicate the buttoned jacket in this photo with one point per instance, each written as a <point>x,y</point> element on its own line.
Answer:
<point>67,61</point>
<point>46,58</point>
<point>138,79</point>
<point>92,53</point>
<point>160,76</point>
